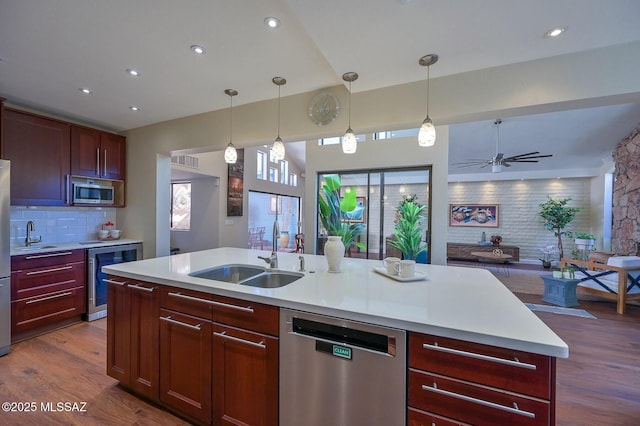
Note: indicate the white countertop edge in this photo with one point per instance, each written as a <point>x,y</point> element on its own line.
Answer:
<point>555,348</point>
<point>22,250</point>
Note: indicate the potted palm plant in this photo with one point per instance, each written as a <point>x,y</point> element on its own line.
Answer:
<point>332,207</point>
<point>408,233</point>
<point>556,215</point>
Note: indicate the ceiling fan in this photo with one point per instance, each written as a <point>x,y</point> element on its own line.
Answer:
<point>498,161</point>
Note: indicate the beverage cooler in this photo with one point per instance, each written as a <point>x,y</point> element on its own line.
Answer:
<point>96,286</point>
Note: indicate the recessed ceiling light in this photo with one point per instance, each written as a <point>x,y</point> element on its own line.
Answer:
<point>134,108</point>
<point>198,50</point>
<point>272,22</point>
<point>555,32</point>
<point>85,90</point>
<point>133,72</point>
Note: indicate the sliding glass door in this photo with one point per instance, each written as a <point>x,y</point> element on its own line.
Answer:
<point>379,192</point>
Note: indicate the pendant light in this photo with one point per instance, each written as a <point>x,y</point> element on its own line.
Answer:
<point>349,141</point>
<point>427,134</point>
<point>278,149</point>
<point>230,153</point>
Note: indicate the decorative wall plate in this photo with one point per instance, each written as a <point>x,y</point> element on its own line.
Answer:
<point>323,108</point>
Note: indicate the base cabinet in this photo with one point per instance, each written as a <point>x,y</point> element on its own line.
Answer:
<point>133,335</point>
<point>47,292</point>
<point>479,384</point>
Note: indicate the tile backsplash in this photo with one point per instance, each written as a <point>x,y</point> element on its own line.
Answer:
<point>59,224</point>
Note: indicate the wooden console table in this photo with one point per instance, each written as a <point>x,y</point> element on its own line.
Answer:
<point>463,251</point>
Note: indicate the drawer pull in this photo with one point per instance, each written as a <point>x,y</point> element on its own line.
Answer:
<point>184,296</point>
<point>238,308</point>
<point>115,282</point>
<point>514,410</point>
<point>515,363</point>
<point>62,268</point>
<point>55,296</point>
<point>211,302</point>
<point>40,256</point>
<point>237,339</point>
<point>184,324</point>
<point>147,289</point>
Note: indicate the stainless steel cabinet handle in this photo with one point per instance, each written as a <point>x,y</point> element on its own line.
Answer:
<point>147,289</point>
<point>238,308</point>
<point>184,324</point>
<point>239,340</point>
<point>104,170</point>
<point>45,271</point>
<point>115,282</point>
<point>211,302</point>
<point>40,256</point>
<point>98,161</point>
<point>515,410</point>
<point>515,363</point>
<point>55,296</point>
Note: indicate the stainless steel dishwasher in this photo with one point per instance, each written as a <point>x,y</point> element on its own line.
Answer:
<point>340,373</point>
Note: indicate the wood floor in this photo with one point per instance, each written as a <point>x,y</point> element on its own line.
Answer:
<point>598,385</point>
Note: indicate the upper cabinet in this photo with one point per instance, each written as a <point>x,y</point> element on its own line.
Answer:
<point>97,154</point>
<point>38,148</point>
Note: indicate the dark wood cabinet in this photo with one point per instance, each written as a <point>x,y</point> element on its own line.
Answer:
<point>97,154</point>
<point>479,384</point>
<point>47,292</point>
<point>133,340</point>
<point>245,363</point>
<point>463,251</point>
<point>38,148</point>
<point>185,352</point>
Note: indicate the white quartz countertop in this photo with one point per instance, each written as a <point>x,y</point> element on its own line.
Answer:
<point>46,247</point>
<point>458,302</point>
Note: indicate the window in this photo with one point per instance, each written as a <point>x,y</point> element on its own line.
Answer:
<point>261,165</point>
<point>391,134</point>
<point>284,172</point>
<point>338,139</point>
<point>273,174</point>
<point>293,179</point>
<point>181,206</point>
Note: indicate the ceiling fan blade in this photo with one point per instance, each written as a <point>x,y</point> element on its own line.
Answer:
<point>526,157</point>
<point>523,161</point>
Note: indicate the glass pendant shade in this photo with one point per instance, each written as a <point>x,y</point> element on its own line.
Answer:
<point>427,134</point>
<point>278,149</point>
<point>349,142</point>
<point>230,154</point>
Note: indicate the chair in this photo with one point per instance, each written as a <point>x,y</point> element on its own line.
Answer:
<point>256,238</point>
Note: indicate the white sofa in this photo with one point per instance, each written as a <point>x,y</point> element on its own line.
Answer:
<point>612,277</point>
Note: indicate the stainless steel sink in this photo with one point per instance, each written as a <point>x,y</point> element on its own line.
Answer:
<point>273,279</point>
<point>255,276</point>
<point>233,273</point>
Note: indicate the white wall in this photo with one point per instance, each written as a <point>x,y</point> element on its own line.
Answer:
<point>519,204</point>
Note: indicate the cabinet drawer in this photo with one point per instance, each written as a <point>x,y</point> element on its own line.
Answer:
<point>468,402</point>
<point>39,260</point>
<point>417,417</point>
<point>34,282</point>
<point>248,315</point>
<point>508,369</point>
<point>34,312</point>
<point>189,302</point>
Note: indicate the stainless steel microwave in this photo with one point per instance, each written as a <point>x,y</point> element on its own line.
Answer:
<point>90,193</point>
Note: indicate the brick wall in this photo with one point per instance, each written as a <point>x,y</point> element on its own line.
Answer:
<point>519,205</point>
<point>625,236</point>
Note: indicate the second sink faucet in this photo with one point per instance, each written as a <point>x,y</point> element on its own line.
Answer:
<point>273,259</point>
<point>29,239</point>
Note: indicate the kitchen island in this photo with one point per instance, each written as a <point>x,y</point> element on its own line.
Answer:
<point>468,308</point>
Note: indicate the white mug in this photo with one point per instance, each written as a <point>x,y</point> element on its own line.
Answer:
<point>407,268</point>
<point>392,264</point>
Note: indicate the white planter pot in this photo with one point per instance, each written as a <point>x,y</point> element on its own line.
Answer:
<point>334,252</point>
<point>584,244</point>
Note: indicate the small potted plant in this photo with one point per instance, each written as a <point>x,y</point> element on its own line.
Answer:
<point>408,233</point>
<point>585,241</point>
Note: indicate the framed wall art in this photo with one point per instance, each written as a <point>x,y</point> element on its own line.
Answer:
<point>235,186</point>
<point>478,215</point>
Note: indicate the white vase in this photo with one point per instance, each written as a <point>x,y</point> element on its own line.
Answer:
<point>334,252</point>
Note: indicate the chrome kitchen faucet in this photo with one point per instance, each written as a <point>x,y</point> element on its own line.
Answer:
<point>29,239</point>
